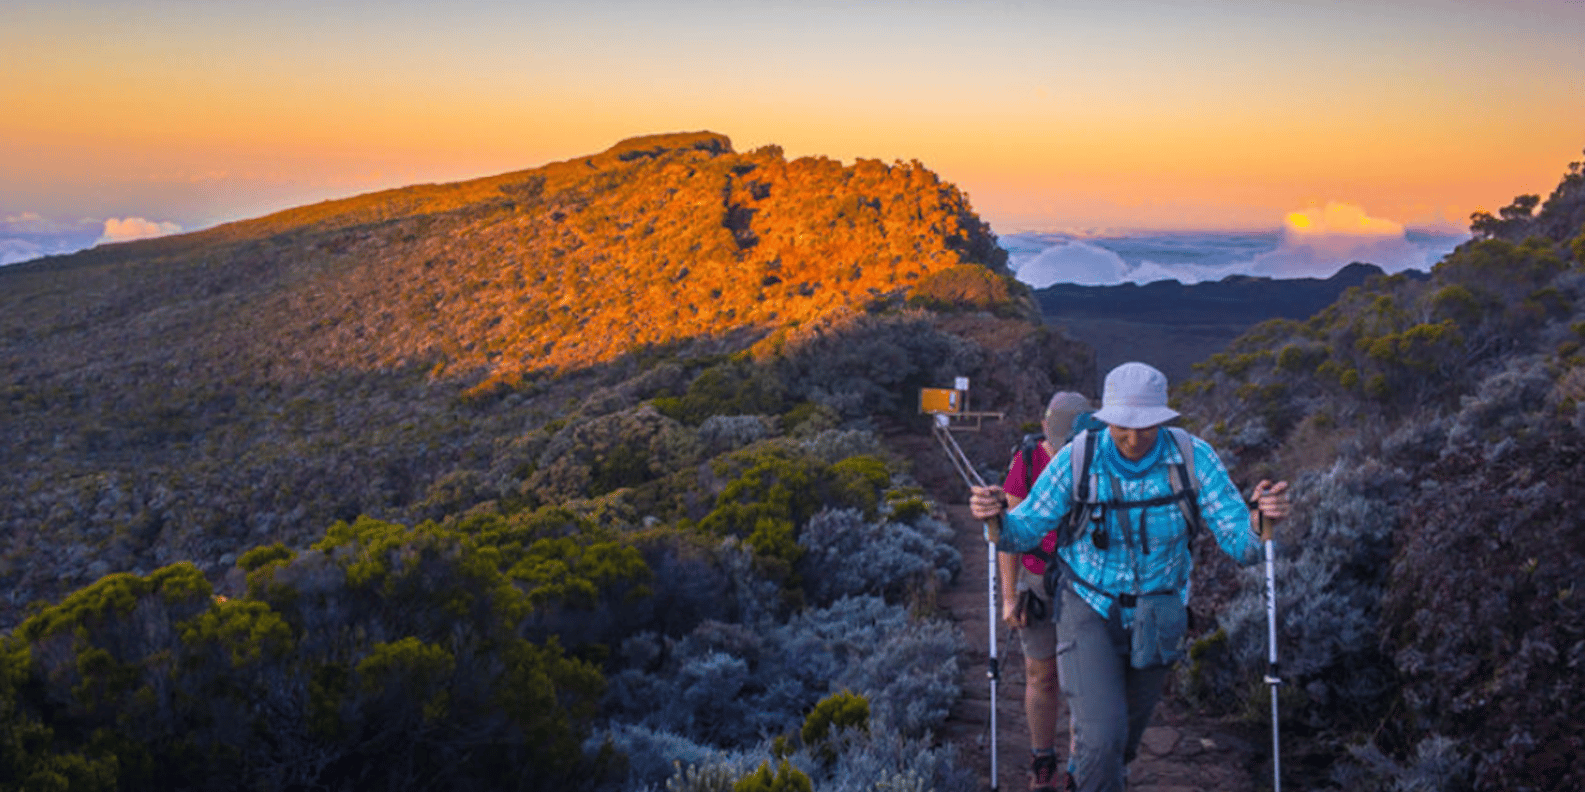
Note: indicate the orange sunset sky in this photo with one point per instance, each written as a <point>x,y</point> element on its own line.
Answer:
<point>155,116</point>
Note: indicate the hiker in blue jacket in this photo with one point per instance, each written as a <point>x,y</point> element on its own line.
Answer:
<point>1123,559</point>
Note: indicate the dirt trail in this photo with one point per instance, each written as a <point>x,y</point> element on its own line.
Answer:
<point>1180,753</point>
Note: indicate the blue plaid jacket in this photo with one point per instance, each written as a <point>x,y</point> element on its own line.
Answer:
<point>1133,562</point>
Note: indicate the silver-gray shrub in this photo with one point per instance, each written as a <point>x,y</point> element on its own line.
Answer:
<point>654,755</point>
<point>1502,405</point>
<point>847,555</point>
<point>906,667</point>
<point>1330,574</point>
<point>852,760</point>
<point>715,686</point>
<point>834,445</point>
<point>572,460</point>
<point>702,778</point>
<point>1437,766</point>
<point>884,760</point>
<point>723,433</point>
<point>727,687</point>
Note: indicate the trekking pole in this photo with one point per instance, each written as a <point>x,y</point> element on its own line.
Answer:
<point>993,669</point>
<point>1272,679</point>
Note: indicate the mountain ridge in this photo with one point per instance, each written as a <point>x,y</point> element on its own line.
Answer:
<point>184,397</point>
<point>1172,325</point>
<point>703,237</point>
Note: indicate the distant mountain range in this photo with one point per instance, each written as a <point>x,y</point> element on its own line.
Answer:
<point>1171,325</point>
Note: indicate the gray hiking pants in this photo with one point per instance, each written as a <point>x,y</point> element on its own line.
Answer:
<point>1111,702</point>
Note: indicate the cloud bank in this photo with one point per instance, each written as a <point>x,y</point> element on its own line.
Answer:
<point>26,235</point>
<point>1318,242</point>
<point>1312,243</point>
<point>130,228</point>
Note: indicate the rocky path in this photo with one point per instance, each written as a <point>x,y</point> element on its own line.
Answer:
<point>1179,754</point>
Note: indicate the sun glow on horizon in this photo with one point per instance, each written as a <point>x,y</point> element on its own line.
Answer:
<point>1340,219</point>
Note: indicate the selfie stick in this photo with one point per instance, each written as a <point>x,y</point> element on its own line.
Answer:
<point>993,670</point>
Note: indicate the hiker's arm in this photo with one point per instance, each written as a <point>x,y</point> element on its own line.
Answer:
<point>1223,508</point>
<point>1048,502</point>
<point>1007,565</point>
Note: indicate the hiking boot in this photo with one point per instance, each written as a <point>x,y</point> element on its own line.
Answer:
<point>1043,773</point>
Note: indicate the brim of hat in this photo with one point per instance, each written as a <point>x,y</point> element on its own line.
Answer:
<point>1135,417</point>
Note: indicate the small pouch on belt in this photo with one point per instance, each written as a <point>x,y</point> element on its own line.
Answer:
<point>1030,608</point>
<point>1160,624</point>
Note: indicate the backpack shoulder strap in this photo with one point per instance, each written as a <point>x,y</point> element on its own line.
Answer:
<point>1184,480</point>
<point>1026,449</point>
<point>1185,443</point>
<point>1081,455</point>
<point>1079,459</point>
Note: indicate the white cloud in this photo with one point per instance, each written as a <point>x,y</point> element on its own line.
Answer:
<point>1313,243</point>
<point>1073,262</point>
<point>1316,243</point>
<point>130,228</point>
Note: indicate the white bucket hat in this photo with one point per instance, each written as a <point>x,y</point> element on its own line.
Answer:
<point>1135,397</point>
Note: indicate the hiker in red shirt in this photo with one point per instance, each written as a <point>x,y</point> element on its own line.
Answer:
<point>1025,606</point>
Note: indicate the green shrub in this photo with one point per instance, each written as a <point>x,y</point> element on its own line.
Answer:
<point>809,418</point>
<point>734,387</point>
<point>411,670</point>
<point>1296,358</point>
<point>247,631</point>
<point>776,484</point>
<point>859,482</point>
<point>113,597</point>
<point>1456,301</point>
<point>267,554</point>
<point>845,710</point>
<point>909,508</point>
<point>786,778</point>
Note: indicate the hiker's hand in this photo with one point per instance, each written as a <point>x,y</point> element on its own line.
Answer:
<point>1012,615</point>
<point>1271,500</point>
<point>987,502</point>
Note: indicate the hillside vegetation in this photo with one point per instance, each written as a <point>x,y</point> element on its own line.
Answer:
<point>541,481</point>
<point>403,491</point>
<point>1435,431</point>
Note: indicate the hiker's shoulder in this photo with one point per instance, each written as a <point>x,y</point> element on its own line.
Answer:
<point>1179,435</point>
<point>1207,460</point>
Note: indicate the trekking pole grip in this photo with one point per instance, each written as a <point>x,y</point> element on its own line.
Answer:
<point>1267,527</point>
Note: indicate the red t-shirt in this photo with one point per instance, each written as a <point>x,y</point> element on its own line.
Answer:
<point>1015,486</point>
